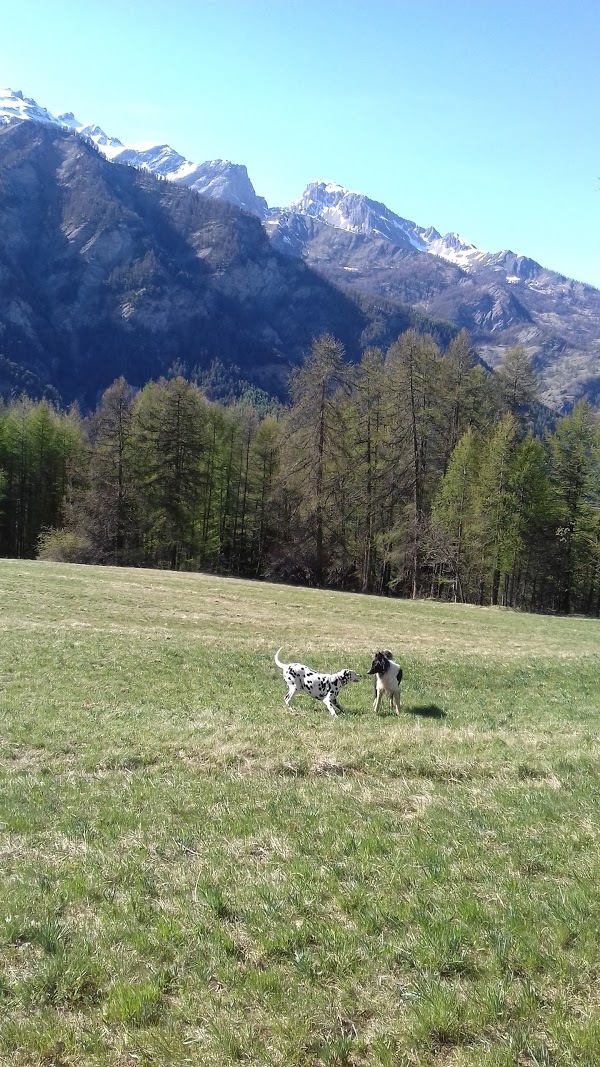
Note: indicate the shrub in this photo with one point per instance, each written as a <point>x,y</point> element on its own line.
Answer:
<point>64,546</point>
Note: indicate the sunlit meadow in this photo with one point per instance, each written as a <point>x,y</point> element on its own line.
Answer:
<point>192,874</point>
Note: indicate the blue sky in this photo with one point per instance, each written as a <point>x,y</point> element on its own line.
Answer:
<point>469,115</point>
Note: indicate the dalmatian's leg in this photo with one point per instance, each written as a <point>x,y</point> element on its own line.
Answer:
<point>292,684</point>
<point>329,702</point>
<point>336,702</point>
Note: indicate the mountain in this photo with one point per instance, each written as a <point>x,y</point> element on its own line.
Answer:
<point>374,255</point>
<point>217,178</point>
<point>15,106</point>
<point>501,298</point>
<point>354,212</point>
<point>106,270</point>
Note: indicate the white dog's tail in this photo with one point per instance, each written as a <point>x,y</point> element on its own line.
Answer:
<point>277,660</point>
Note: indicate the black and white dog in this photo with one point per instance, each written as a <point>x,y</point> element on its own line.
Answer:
<point>388,676</point>
<point>325,687</point>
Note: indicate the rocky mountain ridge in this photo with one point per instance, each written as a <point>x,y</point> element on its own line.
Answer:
<point>362,246</point>
<point>217,178</point>
<point>501,298</point>
<point>105,270</point>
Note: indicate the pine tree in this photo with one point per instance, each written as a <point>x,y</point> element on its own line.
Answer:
<point>210,548</point>
<point>247,423</point>
<point>531,525</point>
<point>3,479</point>
<point>38,448</point>
<point>264,466</point>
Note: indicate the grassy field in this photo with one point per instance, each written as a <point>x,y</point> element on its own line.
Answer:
<point>192,874</point>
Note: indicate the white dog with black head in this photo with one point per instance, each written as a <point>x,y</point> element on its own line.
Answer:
<point>388,676</point>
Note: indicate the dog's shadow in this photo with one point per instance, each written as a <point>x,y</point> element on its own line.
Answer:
<point>427,711</point>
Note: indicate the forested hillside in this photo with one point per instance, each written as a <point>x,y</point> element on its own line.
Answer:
<point>411,473</point>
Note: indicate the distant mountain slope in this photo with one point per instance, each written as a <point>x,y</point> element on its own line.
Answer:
<point>501,298</point>
<point>104,270</point>
<point>360,244</point>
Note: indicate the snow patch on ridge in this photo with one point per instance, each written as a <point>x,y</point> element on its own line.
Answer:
<point>329,202</point>
<point>217,178</point>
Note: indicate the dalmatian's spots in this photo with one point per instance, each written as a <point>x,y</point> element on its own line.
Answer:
<point>325,687</point>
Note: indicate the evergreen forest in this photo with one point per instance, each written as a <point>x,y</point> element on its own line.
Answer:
<point>411,473</point>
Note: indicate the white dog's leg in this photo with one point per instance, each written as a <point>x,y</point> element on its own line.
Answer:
<point>328,704</point>
<point>377,700</point>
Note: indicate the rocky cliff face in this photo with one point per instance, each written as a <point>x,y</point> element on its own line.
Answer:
<point>104,270</point>
<point>360,245</point>
<point>216,178</point>
<point>501,298</point>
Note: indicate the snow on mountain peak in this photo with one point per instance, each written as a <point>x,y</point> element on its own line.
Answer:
<point>327,201</point>
<point>111,147</point>
<point>217,178</point>
<point>455,249</point>
<point>454,240</point>
<point>68,119</point>
<point>15,106</point>
<point>329,189</point>
<point>337,206</point>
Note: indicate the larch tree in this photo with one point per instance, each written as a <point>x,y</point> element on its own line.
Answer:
<point>111,501</point>
<point>517,382</point>
<point>575,473</point>
<point>369,485</point>
<point>311,436</point>
<point>456,385</point>
<point>413,367</point>
<point>452,510</point>
<point>492,507</point>
<point>169,440</point>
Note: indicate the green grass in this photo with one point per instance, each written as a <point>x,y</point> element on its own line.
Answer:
<point>193,875</point>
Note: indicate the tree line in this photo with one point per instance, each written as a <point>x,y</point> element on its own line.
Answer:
<point>412,473</point>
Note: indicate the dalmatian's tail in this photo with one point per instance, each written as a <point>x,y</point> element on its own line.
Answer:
<point>278,661</point>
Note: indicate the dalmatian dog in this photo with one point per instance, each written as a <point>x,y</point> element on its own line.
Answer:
<point>325,687</point>
<point>388,676</point>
